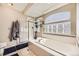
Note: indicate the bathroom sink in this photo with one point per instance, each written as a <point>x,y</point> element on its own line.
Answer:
<point>2,44</point>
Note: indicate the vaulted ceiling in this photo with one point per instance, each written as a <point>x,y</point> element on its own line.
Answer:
<point>35,9</point>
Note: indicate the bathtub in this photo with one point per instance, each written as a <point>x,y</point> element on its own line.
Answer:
<point>57,48</point>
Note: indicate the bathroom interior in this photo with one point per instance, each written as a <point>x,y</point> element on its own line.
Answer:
<point>39,29</point>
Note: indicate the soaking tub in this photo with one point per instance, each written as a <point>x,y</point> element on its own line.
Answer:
<point>53,47</point>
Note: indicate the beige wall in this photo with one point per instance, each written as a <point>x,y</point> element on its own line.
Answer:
<point>7,15</point>
<point>72,9</point>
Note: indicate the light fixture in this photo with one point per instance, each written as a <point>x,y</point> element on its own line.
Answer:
<point>10,4</point>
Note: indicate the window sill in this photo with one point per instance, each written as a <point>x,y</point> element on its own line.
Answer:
<point>67,35</point>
